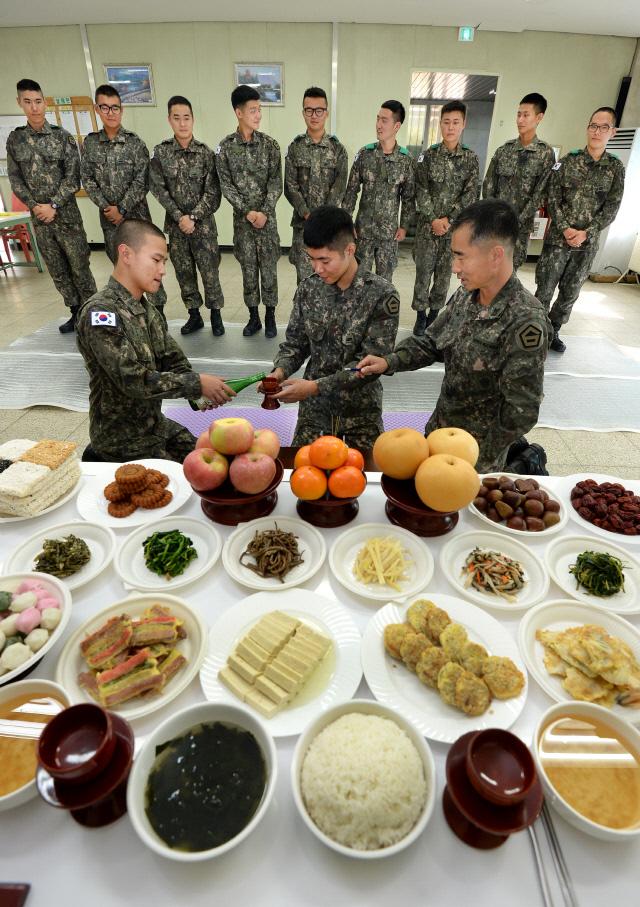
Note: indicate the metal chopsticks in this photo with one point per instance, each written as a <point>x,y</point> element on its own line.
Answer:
<point>542,876</point>
<point>562,872</point>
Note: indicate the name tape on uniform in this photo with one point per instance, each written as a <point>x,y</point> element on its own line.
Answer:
<point>107,319</point>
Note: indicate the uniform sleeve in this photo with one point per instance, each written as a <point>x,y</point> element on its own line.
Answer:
<point>607,213</point>
<point>88,175</point>
<point>159,188</point>
<point>424,202</point>
<point>520,384</point>
<point>539,193</point>
<point>70,182</point>
<point>336,192</point>
<point>274,181</point>
<point>227,186</point>
<point>212,195</point>
<point>418,352</point>
<point>119,360</point>
<point>554,198</point>
<point>292,191</point>
<point>378,340</point>
<point>18,185</point>
<point>136,192</point>
<point>295,348</point>
<point>470,190</point>
<point>353,185</point>
<point>490,184</point>
<point>408,196</point>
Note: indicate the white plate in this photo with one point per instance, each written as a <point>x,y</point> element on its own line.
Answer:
<point>310,544</point>
<point>92,504</point>
<point>63,500</point>
<point>100,540</point>
<point>523,533</point>
<point>559,615</point>
<point>134,573</point>
<point>322,614</point>
<point>344,551</point>
<point>568,483</point>
<point>562,554</point>
<point>454,555</point>
<point>71,663</point>
<point>398,687</point>
<point>10,584</point>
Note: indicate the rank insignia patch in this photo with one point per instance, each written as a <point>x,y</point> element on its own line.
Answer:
<point>530,338</point>
<point>391,306</point>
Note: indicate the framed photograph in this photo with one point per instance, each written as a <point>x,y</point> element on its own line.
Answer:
<point>266,78</point>
<point>134,82</point>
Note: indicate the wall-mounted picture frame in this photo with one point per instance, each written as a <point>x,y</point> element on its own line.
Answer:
<point>134,82</point>
<point>266,78</point>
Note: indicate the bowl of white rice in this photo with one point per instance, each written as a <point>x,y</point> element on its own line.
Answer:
<point>363,780</point>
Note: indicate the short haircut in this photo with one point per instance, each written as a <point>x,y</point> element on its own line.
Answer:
<point>396,108</point>
<point>108,91</point>
<point>538,101</point>
<point>491,219</point>
<point>133,232</point>
<point>608,110</point>
<point>27,85</point>
<point>179,99</point>
<point>242,95</point>
<point>315,92</point>
<point>454,107</point>
<point>328,227</point>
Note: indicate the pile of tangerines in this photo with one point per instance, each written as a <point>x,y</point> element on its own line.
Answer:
<point>327,464</point>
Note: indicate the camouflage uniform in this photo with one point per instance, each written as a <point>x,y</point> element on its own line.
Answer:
<point>387,180</point>
<point>446,182</point>
<point>584,194</point>
<point>133,365</point>
<point>185,181</point>
<point>44,168</point>
<point>519,174</point>
<point>251,180</point>
<point>315,173</point>
<point>116,172</point>
<point>335,329</point>
<point>493,367</point>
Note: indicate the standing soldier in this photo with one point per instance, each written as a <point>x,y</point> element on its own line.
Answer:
<point>115,174</point>
<point>585,191</point>
<point>385,171</point>
<point>338,315</point>
<point>250,174</point>
<point>44,172</point>
<point>520,169</point>
<point>447,180</point>
<point>315,173</point>
<point>184,180</point>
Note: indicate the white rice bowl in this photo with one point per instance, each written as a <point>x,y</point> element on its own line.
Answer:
<point>363,782</point>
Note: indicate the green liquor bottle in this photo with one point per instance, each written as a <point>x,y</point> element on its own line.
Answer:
<point>236,384</point>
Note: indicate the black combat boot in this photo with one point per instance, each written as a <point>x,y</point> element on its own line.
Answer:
<point>270,329</point>
<point>431,317</point>
<point>69,326</point>
<point>216,323</point>
<point>556,344</point>
<point>193,323</point>
<point>254,324</point>
<point>421,324</point>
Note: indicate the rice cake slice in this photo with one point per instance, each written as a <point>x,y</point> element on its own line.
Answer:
<point>281,619</point>
<point>243,668</point>
<point>256,655</point>
<point>262,703</point>
<point>49,453</point>
<point>11,450</point>
<point>305,632</point>
<point>270,640</point>
<point>232,681</point>
<point>286,678</point>
<point>275,692</point>
<point>290,659</point>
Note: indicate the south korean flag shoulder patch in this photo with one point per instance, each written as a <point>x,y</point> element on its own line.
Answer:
<point>557,165</point>
<point>530,337</point>
<point>421,157</point>
<point>104,319</point>
<point>218,149</point>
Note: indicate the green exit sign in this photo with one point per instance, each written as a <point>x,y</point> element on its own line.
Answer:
<point>466,33</point>
<point>68,100</point>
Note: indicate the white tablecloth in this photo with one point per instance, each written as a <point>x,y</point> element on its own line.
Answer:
<point>282,863</point>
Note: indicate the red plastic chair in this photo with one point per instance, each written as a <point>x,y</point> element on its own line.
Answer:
<point>18,233</point>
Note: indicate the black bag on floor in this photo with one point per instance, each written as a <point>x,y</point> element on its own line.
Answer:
<point>526,459</point>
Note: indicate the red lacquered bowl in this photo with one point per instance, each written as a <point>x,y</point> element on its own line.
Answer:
<point>328,513</point>
<point>77,744</point>
<point>228,506</point>
<point>404,508</point>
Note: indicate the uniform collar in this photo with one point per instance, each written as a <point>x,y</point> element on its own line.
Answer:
<point>457,150</point>
<point>356,284</point>
<point>323,141</point>
<point>120,135</point>
<point>394,153</point>
<point>254,137</point>
<point>46,129</point>
<point>501,300</point>
<point>192,146</point>
<point>135,306</point>
<point>592,161</point>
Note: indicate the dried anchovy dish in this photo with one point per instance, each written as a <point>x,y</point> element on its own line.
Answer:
<point>275,552</point>
<point>62,557</point>
<point>493,572</point>
<point>599,573</point>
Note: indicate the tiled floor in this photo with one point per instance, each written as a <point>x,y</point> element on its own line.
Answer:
<point>29,299</point>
